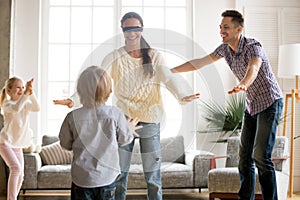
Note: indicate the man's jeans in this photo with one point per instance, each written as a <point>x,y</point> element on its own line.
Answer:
<point>257,142</point>
<point>99,193</point>
<point>151,158</point>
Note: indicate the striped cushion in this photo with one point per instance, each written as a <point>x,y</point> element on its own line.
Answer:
<point>54,154</point>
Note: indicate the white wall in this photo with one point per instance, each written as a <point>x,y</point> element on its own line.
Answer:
<point>25,56</point>
<point>207,33</point>
<point>220,79</point>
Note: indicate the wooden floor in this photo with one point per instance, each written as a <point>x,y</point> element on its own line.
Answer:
<point>132,195</point>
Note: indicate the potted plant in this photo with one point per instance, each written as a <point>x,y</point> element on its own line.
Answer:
<point>225,118</point>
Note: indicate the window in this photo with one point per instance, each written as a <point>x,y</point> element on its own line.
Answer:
<point>73,30</point>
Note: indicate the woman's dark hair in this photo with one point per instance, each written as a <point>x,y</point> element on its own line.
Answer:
<point>237,18</point>
<point>145,47</point>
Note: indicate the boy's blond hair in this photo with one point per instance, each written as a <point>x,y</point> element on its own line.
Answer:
<point>94,86</point>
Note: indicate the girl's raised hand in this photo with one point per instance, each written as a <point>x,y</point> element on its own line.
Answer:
<point>28,90</point>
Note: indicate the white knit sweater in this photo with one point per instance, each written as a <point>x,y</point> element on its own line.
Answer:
<point>140,96</point>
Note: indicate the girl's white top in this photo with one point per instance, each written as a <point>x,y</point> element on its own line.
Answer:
<point>16,132</point>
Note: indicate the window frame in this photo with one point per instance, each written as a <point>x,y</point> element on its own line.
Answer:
<point>118,13</point>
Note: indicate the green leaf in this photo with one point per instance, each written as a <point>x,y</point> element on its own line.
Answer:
<point>226,118</point>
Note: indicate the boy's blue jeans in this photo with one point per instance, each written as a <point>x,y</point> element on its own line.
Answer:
<point>98,193</point>
<point>151,159</point>
<point>257,142</point>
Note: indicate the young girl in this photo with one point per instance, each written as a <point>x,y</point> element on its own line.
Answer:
<point>16,133</point>
<point>94,132</point>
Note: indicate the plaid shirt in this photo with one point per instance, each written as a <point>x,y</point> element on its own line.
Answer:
<point>264,90</point>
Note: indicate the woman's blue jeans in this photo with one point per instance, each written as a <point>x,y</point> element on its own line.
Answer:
<point>98,193</point>
<point>257,142</point>
<point>151,159</point>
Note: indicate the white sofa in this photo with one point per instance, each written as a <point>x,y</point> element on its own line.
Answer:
<point>180,168</point>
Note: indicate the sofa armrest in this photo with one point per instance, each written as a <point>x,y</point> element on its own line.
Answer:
<point>190,156</point>
<point>201,163</point>
<point>282,164</point>
<point>213,164</point>
<point>32,164</point>
<point>3,177</point>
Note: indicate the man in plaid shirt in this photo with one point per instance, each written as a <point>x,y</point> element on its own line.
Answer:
<point>247,60</point>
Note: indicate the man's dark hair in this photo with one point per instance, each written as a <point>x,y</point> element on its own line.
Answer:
<point>237,18</point>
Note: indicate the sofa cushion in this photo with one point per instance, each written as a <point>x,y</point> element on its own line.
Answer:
<point>172,150</point>
<point>54,176</point>
<point>220,177</point>
<point>49,139</point>
<point>174,175</point>
<point>165,167</point>
<point>54,154</point>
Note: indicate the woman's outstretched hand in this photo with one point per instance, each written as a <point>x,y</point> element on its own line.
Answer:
<point>238,88</point>
<point>64,102</point>
<point>191,97</point>
<point>132,124</point>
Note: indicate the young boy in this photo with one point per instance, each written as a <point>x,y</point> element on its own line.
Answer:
<point>94,132</point>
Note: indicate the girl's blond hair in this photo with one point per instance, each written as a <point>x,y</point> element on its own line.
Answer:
<point>8,85</point>
<point>94,86</point>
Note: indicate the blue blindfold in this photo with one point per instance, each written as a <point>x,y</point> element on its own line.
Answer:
<point>132,29</point>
